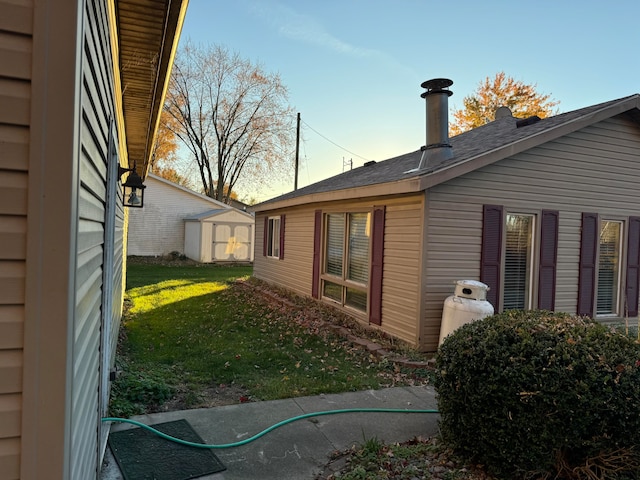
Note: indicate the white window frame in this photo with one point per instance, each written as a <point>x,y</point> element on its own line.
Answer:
<point>273,237</point>
<point>531,258</point>
<point>616,298</point>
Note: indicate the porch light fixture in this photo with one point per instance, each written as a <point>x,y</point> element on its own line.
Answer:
<point>132,189</point>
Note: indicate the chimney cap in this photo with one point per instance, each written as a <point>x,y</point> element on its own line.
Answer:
<point>437,85</point>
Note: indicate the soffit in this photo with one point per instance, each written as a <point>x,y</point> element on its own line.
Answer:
<point>148,32</point>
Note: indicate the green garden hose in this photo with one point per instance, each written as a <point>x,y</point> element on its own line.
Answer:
<point>264,432</point>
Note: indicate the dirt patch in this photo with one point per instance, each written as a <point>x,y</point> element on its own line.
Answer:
<point>214,396</point>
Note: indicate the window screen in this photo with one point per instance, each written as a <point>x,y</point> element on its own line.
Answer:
<point>609,268</point>
<point>517,262</point>
<point>273,239</point>
<point>347,261</point>
<point>335,244</point>
<point>358,270</point>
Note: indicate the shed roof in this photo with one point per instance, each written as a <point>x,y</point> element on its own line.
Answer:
<point>218,212</point>
<point>188,191</point>
<point>471,150</point>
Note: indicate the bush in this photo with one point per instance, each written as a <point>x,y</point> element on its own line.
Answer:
<point>134,393</point>
<point>539,394</point>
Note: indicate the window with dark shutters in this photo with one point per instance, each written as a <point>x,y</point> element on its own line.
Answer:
<point>377,256</point>
<point>633,266</point>
<point>273,239</point>
<point>608,271</point>
<point>491,253</point>
<point>548,259</point>
<point>317,243</point>
<point>587,266</point>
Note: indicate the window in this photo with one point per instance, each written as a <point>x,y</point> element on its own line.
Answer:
<point>346,267</point>
<point>609,271</point>
<point>608,286</point>
<point>518,258</point>
<point>518,261</point>
<point>273,237</point>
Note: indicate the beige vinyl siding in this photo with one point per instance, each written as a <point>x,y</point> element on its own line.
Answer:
<point>592,170</point>
<point>294,272</point>
<point>15,99</point>
<point>401,264</point>
<point>401,277</point>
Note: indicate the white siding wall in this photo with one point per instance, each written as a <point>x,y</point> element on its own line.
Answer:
<point>90,370</point>
<point>192,239</point>
<point>158,228</point>
<point>592,170</point>
<point>97,109</point>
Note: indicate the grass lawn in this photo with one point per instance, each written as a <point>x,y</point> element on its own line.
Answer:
<point>192,336</point>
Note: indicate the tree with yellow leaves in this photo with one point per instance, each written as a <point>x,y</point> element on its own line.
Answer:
<point>501,91</point>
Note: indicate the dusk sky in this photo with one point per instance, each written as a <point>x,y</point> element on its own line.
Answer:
<point>354,67</point>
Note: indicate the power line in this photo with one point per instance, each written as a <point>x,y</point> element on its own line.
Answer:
<point>334,143</point>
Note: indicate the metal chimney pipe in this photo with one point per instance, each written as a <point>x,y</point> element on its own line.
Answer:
<point>437,100</point>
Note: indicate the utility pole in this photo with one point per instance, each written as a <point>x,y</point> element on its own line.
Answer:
<point>295,183</point>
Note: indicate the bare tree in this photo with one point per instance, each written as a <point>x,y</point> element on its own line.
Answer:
<point>233,117</point>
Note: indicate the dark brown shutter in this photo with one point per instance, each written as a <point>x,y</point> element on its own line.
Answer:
<point>377,258</point>
<point>633,266</point>
<point>265,236</point>
<point>548,260</point>
<point>491,253</point>
<point>282,217</point>
<point>317,244</point>
<point>587,267</point>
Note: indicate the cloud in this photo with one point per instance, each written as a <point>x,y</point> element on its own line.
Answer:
<point>305,28</point>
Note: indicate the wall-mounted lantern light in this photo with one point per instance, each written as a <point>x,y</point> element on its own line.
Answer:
<point>133,188</point>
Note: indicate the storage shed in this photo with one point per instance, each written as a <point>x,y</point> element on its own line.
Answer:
<point>222,235</point>
<point>177,219</point>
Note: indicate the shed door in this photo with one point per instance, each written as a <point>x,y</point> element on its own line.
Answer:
<point>231,242</point>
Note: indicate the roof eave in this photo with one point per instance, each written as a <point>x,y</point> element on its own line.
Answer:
<point>145,69</point>
<point>409,185</point>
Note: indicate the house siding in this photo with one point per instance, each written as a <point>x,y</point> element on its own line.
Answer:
<point>401,262</point>
<point>158,228</point>
<point>16,27</point>
<point>294,271</point>
<point>592,169</point>
<point>402,276</point>
<point>91,322</point>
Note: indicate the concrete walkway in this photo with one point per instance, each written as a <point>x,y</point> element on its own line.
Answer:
<point>299,450</point>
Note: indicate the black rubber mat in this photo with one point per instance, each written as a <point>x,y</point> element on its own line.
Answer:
<point>143,455</point>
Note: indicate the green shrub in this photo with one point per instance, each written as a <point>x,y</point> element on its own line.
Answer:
<point>538,393</point>
<point>133,393</point>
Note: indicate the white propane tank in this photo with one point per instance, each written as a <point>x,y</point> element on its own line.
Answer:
<point>468,303</point>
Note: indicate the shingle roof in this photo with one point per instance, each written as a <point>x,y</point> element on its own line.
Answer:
<point>466,146</point>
